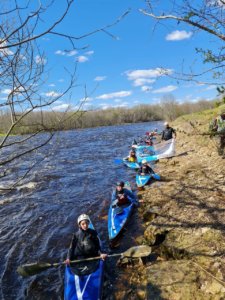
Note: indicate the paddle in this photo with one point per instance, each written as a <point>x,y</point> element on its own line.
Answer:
<point>118,161</point>
<point>156,176</point>
<point>34,268</point>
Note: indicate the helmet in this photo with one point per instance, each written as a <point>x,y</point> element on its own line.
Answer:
<point>82,218</point>
<point>166,124</point>
<point>120,183</point>
<point>144,161</point>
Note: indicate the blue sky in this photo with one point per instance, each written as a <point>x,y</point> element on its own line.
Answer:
<point>123,70</point>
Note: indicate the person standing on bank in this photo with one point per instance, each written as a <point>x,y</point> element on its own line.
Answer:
<point>168,133</point>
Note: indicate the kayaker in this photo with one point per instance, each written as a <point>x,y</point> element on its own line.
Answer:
<point>132,156</point>
<point>85,242</point>
<point>148,140</point>
<point>145,168</point>
<point>168,133</point>
<point>121,195</point>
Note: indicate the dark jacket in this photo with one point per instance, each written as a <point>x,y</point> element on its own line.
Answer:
<point>85,243</point>
<point>127,193</point>
<point>146,170</point>
<point>167,133</point>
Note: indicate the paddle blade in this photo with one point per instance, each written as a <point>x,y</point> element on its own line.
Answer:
<point>156,176</point>
<point>138,251</point>
<point>118,161</point>
<point>32,269</point>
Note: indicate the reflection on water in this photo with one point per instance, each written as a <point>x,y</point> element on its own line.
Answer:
<point>38,217</point>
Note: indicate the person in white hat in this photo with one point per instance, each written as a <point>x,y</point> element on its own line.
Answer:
<point>168,132</point>
<point>85,242</point>
<point>145,168</point>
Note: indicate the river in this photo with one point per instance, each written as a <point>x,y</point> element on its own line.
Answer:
<point>39,217</point>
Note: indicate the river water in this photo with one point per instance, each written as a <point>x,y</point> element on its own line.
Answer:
<point>38,218</point>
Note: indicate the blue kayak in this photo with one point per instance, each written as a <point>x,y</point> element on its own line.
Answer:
<point>132,165</point>
<point>84,281</point>
<point>118,216</point>
<point>142,180</point>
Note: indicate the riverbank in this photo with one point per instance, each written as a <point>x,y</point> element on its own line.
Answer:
<point>184,220</point>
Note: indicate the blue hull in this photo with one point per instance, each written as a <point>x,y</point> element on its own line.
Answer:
<point>84,287</point>
<point>132,165</point>
<point>116,222</point>
<point>118,217</point>
<point>142,180</point>
<point>145,152</point>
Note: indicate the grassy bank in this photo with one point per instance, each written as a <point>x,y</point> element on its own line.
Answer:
<point>184,221</point>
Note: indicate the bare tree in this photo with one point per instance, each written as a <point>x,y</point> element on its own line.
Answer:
<point>22,75</point>
<point>206,16</point>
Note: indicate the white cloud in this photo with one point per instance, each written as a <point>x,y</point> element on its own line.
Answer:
<point>123,104</point>
<point>51,84</point>
<point>61,80</point>
<point>82,58</point>
<point>117,100</point>
<point>100,78</point>
<point>66,53</point>
<point>86,99</point>
<point>6,51</point>
<point>105,105</point>
<point>89,53</point>
<point>136,102</point>
<point>146,88</point>
<point>178,35</point>
<point>214,3</point>
<point>6,91</point>
<point>3,98</point>
<point>40,60</point>
<point>61,107</point>
<point>149,73</point>
<point>71,53</point>
<point>142,81</point>
<point>52,94</point>
<point>211,87</point>
<point>165,89</point>
<point>115,95</point>
<point>60,52</point>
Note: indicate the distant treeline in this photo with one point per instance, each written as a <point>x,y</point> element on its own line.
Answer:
<point>50,120</point>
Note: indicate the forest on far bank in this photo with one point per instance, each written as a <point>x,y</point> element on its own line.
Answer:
<point>166,110</point>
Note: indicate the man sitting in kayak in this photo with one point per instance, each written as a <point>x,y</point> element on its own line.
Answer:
<point>121,195</point>
<point>145,168</point>
<point>132,156</point>
<point>85,242</point>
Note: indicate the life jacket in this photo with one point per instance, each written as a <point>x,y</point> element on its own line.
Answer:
<point>132,159</point>
<point>168,133</point>
<point>122,198</point>
<point>87,244</point>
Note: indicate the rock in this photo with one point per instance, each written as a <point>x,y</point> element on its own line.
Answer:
<point>141,294</point>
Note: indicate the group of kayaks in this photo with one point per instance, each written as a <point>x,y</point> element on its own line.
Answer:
<point>84,281</point>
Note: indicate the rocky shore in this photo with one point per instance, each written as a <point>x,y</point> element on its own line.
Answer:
<point>184,222</point>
